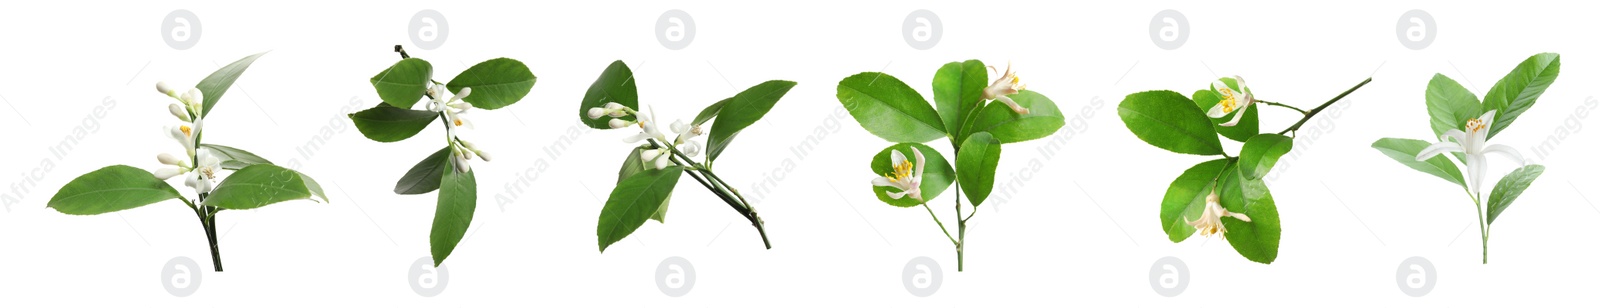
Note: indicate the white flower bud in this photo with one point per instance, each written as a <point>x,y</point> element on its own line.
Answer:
<point>179,111</point>
<point>164,88</point>
<point>169,159</point>
<point>619,123</point>
<point>596,113</point>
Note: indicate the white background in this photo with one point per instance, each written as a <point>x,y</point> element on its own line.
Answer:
<point>1082,230</point>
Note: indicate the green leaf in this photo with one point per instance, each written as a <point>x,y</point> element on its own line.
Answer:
<point>1261,152</point>
<point>424,177</point>
<point>1186,198</point>
<point>710,112</point>
<point>634,165</point>
<point>615,85</point>
<point>1450,105</point>
<point>386,123</point>
<point>936,173</point>
<point>1256,240</point>
<point>111,189</point>
<point>496,83</point>
<point>257,186</point>
<point>1170,121</point>
<point>234,158</point>
<point>975,164</point>
<point>404,83</point>
<point>633,201</point>
<point>1510,187</point>
<point>1405,151</point>
<point>313,187</point>
<point>745,109</point>
<point>958,90</point>
<point>215,85</point>
<point>1247,127</point>
<point>1515,93</point>
<point>458,200</point>
<point>889,109</point>
<point>1042,120</point>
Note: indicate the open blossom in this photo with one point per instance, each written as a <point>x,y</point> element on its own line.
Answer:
<point>1007,84</point>
<point>685,141</point>
<point>1472,144</point>
<point>906,176</point>
<point>1210,221</point>
<point>452,108</point>
<point>1233,99</point>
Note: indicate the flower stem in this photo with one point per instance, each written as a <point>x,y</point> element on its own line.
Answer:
<point>208,222</point>
<point>1483,228</point>
<point>961,231</point>
<point>1302,111</point>
<point>716,185</point>
<point>1319,109</point>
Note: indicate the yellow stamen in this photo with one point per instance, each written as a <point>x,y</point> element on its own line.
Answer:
<point>458,122</point>
<point>1475,125</point>
<point>187,132</point>
<point>1228,103</point>
<point>901,171</point>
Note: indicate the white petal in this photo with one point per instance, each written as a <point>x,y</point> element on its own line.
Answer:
<point>1506,151</point>
<point>896,158</point>
<point>648,155</point>
<point>636,138</point>
<point>895,195</point>
<point>882,181</point>
<point>678,127</point>
<point>1476,167</point>
<point>462,94</point>
<point>661,162</point>
<point>1237,115</point>
<point>1216,111</point>
<point>1488,118</point>
<point>194,97</point>
<point>1013,104</point>
<point>1454,135</point>
<point>920,163</point>
<point>1438,148</point>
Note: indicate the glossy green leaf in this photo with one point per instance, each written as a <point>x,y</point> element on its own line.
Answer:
<point>215,85</point>
<point>1510,187</point>
<point>615,85</point>
<point>958,90</point>
<point>1248,126</point>
<point>997,119</point>
<point>975,166</point>
<point>634,165</point>
<point>257,186</point>
<point>710,112</point>
<point>496,83</point>
<point>1170,121</point>
<point>234,158</point>
<point>458,200</point>
<point>633,201</point>
<point>111,189</point>
<point>936,173</point>
<point>404,83</point>
<point>1261,152</point>
<point>386,123</point>
<point>1516,92</point>
<point>1186,198</point>
<point>1450,105</point>
<point>745,109</point>
<point>889,109</point>
<point>424,177</point>
<point>1256,240</point>
<point>1405,151</point>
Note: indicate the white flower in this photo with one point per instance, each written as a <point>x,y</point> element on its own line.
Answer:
<point>186,135</point>
<point>459,159</point>
<point>1210,221</point>
<point>612,109</point>
<point>451,108</point>
<point>475,150</point>
<point>655,158</point>
<point>685,142</point>
<point>203,177</point>
<point>1008,84</point>
<point>179,166</point>
<point>1233,99</point>
<point>194,99</point>
<point>648,128</point>
<point>907,175</point>
<point>1473,144</point>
